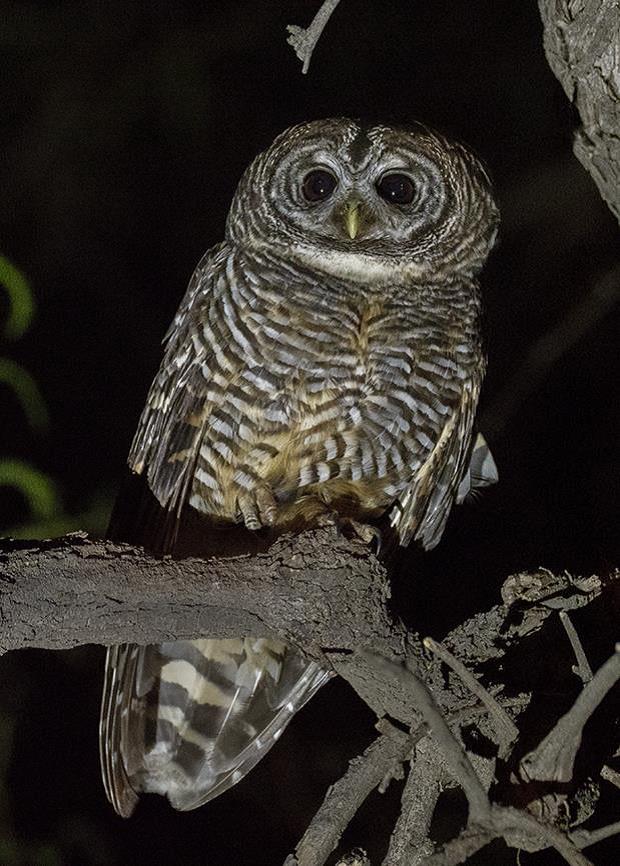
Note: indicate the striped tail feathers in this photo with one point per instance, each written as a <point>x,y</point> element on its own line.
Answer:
<point>120,670</point>
<point>203,713</point>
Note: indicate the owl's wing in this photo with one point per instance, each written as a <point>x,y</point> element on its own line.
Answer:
<point>188,719</point>
<point>422,510</point>
<point>167,440</point>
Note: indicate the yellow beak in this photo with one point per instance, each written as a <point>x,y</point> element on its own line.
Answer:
<point>352,217</point>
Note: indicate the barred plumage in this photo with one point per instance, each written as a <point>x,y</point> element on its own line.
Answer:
<point>325,359</point>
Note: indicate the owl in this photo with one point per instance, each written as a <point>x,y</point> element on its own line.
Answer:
<point>325,363</point>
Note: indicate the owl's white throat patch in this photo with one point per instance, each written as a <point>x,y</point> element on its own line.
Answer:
<point>360,267</point>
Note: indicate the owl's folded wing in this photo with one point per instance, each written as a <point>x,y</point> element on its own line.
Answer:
<point>171,426</point>
<point>422,510</point>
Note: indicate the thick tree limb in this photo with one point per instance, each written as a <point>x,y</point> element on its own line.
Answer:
<point>319,590</point>
<point>582,43</point>
<point>328,596</point>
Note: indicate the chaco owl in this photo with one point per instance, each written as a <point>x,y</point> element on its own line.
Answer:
<point>325,362</point>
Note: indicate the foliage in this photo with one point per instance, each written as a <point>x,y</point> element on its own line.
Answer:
<point>42,498</point>
<point>38,490</point>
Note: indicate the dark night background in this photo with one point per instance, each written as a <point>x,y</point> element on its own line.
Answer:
<point>125,128</point>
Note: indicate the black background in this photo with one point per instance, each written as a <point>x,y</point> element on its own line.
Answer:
<point>125,128</point>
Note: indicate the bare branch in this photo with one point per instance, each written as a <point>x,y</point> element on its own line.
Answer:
<point>459,850</point>
<point>517,828</point>
<point>582,669</point>
<point>585,838</point>
<point>554,757</point>
<point>507,731</point>
<point>304,40</point>
<point>456,759</point>
<point>344,798</point>
<point>610,775</point>
<point>410,841</point>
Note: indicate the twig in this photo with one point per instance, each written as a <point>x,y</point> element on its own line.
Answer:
<point>511,825</point>
<point>507,731</point>
<point>554,757</point>
<point>582,669</point>
<point>344,798</point>
<point>458,850</point>
<point>585,838</point>
<point>304,40</point>
<point>610,775</point>
<point>456,758</point>
<point>410,841</point>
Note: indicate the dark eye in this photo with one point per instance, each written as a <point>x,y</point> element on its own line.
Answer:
<point>396,188</point>
<point>318,185</point>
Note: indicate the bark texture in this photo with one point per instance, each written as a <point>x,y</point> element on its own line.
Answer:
<point>582,44</point>
<point>329,596</point>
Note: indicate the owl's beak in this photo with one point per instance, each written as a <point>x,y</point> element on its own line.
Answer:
<point>352,217</point>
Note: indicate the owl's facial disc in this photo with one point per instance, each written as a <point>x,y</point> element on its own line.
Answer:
<point>379,200</point>
<point>348,199</point>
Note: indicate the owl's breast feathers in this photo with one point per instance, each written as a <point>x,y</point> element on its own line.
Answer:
<point>280,396</point>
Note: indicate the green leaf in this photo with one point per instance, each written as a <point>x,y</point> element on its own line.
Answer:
<point>27,392</point>
<point>37,488</point>
<point>21,300</point>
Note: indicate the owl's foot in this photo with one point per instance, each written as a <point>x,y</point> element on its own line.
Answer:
<point>369,534</point>
<point>258,506</point>
<point>350,528</point>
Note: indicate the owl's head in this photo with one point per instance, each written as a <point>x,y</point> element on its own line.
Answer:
<point>378,203</point>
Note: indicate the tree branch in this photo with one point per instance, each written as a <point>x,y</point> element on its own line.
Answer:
<point>410,842</point>
<point>582,46</point>
<point>554,757</point>
<point>344,798</point>
<point>304,40</point>
<point>327,595</point>
<point>316,590</point>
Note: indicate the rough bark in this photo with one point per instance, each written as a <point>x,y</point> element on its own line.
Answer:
<point>328,595</point>
<point>317,590</point>
<point>582,44</point>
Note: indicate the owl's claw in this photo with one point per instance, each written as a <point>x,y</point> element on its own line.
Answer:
<point>351,528</point>
<point>369,534</point>
<point>258,507</point>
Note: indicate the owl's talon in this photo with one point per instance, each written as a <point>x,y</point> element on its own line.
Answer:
<point>267,505</point>
<point>328,520</point>
<point>350,528</point>
<point>258,507</point>
<point>369,534</point>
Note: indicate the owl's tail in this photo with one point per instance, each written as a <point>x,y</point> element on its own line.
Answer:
<point>188,719</point>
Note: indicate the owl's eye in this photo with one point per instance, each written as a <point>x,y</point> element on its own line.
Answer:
<point>396,188</point>
<point>318,185</point>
